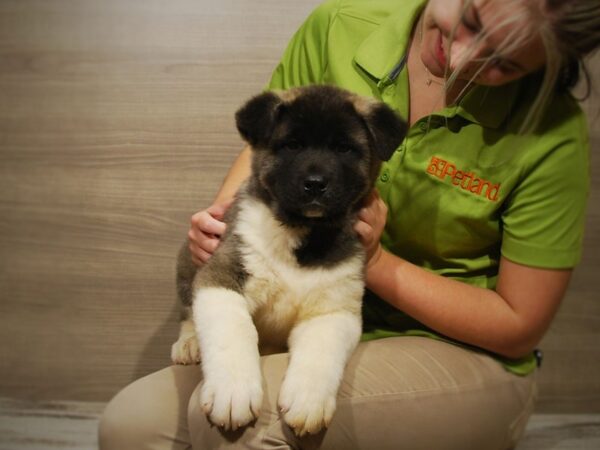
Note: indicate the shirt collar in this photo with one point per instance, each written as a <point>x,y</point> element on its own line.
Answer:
<point>488,106</point>
<point>383,55</point>
<point>380,53</point>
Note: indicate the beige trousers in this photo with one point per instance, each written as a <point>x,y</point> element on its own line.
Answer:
<point>398,393</point>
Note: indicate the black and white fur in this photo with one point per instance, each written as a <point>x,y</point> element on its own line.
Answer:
<point>289,272</point>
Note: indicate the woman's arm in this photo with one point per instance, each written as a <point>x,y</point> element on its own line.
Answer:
<point>207,226</point>
<point>239,171</point>
<point>509,321</point>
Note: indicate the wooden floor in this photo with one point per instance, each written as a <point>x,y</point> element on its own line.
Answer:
<point>48,426</point>
<point>562,432</point>
<point>73,425</point>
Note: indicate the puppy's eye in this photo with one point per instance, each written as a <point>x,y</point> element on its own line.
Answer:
<point>343,148</point>
<point>290,145</point>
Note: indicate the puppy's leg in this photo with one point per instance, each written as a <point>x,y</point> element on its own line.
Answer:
<point>231,394</point>
<point>185,350</point>
<point>319,350</point>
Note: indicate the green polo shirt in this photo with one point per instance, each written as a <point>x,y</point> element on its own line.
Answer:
<point>464,187</point>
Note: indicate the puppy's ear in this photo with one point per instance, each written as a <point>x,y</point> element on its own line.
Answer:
<point>387,129</point>
<point>256,119</point>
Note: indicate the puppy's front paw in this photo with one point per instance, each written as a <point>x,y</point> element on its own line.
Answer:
<point>306,406</point>
<point>231,402</point>
<point>185,350</point>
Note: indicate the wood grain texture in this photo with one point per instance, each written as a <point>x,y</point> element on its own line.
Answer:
<point>73,425</point>
<point>116,124</point>
<point>49,425</point>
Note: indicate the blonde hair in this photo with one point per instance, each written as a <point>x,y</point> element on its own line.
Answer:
<point>569,31</point>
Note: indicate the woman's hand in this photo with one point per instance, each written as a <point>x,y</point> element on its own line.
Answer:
<point>370,225</point>
<point>205,233</point>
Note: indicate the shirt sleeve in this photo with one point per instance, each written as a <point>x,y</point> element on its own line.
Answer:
<point>304,61</point>
<point>544,220</point>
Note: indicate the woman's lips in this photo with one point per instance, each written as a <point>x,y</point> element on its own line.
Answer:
<point>439,52</point>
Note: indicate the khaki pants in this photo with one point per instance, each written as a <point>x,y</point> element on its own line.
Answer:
<point>398,393</point>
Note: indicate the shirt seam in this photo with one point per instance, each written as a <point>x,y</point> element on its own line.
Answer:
<point>332,19</point>
<point>541,248</point>
<point>356,17</point>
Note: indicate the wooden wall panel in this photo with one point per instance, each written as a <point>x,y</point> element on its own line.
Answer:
<point>570,377</point>
<point>116,124</point>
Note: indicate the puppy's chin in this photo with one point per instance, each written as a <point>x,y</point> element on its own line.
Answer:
<point>314,210</point>
<point>313,213</point>
<point>311,216</point>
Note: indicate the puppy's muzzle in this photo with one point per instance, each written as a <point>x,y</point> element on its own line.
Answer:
<point>315,186</point>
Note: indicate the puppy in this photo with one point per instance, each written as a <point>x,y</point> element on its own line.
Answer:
<point>289,270</point>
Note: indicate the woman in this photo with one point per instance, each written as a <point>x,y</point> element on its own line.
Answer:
<point>471,238</point>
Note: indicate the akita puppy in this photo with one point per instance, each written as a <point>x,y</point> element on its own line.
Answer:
<point>289,272</point>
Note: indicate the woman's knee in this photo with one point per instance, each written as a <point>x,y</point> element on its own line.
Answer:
<point>150,412</point>
<point>126,423</point>
<point>421,393</point>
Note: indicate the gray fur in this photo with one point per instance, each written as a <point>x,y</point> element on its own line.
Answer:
<point>224,269</point>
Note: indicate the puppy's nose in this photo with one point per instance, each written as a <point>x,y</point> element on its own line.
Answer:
<point>315,185</point>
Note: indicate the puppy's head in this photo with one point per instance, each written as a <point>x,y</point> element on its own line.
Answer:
<point>317,150</point>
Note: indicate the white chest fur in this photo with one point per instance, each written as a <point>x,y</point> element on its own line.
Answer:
<point>279,291</point>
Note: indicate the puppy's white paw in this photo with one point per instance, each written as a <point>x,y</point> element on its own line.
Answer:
<point>231,402</point>
<point>185,350</point>
<point>306,406</point>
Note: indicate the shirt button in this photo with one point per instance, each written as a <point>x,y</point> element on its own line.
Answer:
<point>384,177</point>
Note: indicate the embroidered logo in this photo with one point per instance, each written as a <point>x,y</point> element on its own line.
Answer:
<point>468,181</point>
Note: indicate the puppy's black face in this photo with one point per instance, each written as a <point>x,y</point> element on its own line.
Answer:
<point>317,151</point>
<point>317,164</point>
